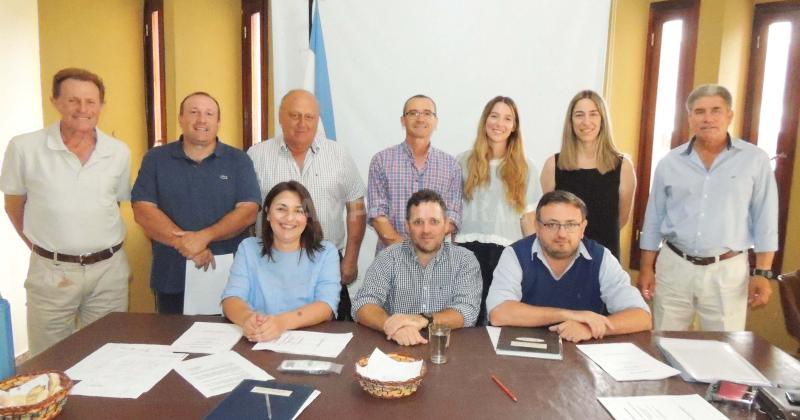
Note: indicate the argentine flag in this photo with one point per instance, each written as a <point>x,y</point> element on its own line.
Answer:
<point>316,76</point>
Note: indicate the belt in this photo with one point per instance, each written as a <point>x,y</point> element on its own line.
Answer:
<point>83,259</point>
<point>703,260</point>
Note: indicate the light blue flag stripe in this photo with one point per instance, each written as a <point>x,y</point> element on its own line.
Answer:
<point>322,84</point>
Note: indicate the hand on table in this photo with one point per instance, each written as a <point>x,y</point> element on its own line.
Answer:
<point>259,327</point>
<point>408,336</point>
<point>573,331</point>
<point>397,321</point>
<point>597,324</point>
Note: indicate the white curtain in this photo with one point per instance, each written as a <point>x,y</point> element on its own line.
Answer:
<point>461,53</point>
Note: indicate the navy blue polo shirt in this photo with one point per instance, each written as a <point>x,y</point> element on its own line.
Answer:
<point>194,196</point>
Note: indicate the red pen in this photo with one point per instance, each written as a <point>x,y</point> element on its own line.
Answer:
<point>503,387</point>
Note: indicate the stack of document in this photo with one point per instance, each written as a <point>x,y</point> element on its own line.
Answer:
<point>709,361</point>
<point>208,338</point>
<point>307,343</point>
<point>219,373</point>
<point>672,407</point>
<point>626,362</point>
<point>122,370</point>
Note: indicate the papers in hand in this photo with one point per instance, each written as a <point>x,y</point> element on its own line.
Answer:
<point>208,338</point>
<point>673,407</point>
<point>626,362</point>
<point>308,343</point>
<point>219,373</point>
<point>709,361</point>
<point>383,368</point>
<point>122,370</point>
<point>202,294</point>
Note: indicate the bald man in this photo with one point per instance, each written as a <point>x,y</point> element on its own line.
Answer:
<point>328,172</point>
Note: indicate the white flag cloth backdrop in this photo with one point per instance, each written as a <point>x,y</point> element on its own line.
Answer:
<point>461,53</point>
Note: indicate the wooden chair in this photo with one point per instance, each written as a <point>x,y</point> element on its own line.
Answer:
<point>790,301</point>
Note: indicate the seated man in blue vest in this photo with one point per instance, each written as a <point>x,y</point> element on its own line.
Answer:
<point>560,279</point>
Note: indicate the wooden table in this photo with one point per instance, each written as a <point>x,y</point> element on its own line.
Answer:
<point>459,389</point>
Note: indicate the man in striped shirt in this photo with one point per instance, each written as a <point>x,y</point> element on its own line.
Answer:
<point>328,172</point>
<point>420,280</point>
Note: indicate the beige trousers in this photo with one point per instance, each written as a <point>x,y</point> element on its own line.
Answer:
<point>716,292</point>
<point>62,297</point>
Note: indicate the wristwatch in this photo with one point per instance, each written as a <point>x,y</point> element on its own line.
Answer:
<point>429,317</point>
<point>768,274</point>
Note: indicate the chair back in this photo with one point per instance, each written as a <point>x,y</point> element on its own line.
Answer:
<point>6,341</point>
<point>790,300</point>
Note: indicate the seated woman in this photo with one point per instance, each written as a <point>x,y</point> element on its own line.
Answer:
<point>591,167</point>
<point>289,279</point>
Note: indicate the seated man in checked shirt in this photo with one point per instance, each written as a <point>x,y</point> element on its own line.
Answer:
<point>421,280</point>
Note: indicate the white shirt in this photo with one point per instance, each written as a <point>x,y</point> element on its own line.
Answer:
<point>489,217</point>
<point>329,174</point>
<point>70,208</point>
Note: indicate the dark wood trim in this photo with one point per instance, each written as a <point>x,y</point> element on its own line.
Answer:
<point>764,15</point>
<point>151,6</point>
<point>250,7</point>
<point>661,12</point>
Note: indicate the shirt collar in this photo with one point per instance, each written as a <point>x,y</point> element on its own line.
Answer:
<point>689,148</point>
<point>56,142</point>
<point>407,149</point>
<point>537,249</point>
<point>409,250</point>
<point>315,144</point>
<point>177,149</point>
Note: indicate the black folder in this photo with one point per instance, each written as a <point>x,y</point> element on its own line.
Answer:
<point>242,403</point>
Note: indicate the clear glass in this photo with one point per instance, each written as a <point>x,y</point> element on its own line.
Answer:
<point>667,92</point>
<point>778,39</point>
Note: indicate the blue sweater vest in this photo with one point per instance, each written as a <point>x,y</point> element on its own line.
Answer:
<point>578,288</point>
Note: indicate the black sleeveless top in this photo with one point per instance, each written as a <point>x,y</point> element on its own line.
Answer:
<point>601,195</point>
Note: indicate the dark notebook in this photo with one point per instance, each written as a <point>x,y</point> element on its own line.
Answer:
<point>243,403</point>
<point>529,342</point>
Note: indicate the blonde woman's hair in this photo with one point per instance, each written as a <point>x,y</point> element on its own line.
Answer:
<point>608,157</point>
<point>513,170</point>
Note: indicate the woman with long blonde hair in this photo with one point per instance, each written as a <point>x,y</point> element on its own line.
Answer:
<point>500,189</point>
<point>590,166</point>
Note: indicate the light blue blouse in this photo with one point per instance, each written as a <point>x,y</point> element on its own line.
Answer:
<point>289,282</point>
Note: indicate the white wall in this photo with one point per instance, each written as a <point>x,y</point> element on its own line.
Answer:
<point>461,53</point>
<point>20,112</point>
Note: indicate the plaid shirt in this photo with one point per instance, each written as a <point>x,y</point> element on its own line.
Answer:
<point>393,177</point>
<point>329,174</point>
<point>398,283</point>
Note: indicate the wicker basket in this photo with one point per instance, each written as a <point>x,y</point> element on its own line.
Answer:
<point>43,410</point>
<point>390,389</point>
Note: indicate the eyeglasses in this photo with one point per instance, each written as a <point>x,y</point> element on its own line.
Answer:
<point>416,114</point>
<point>554,227</point>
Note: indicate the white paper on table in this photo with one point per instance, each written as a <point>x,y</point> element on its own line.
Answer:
<point>122,370</point>
<point>309,343</point>
<point>219,373</point>
<point>383,368</point>
<point>673,407</point>
<point>208,338</point>
<point>627,362</point>
<point>709,361</point>
<point>202,294</point>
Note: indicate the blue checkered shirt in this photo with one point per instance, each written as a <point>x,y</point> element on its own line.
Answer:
<point>398,283</point>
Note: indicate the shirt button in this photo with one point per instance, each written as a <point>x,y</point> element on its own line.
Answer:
<point>698,233</point>
<point>705,195</point>
<point>424,287</point>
